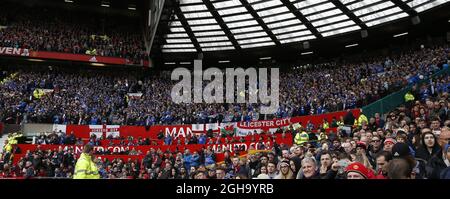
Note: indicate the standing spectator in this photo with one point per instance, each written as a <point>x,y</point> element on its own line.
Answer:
<point>85,167</point>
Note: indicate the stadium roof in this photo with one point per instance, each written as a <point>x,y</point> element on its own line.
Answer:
<point>218,25</point>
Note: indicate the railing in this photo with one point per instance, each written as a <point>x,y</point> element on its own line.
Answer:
<point>393,100</point>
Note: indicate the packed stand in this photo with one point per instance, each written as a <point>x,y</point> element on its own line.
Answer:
<point>93,97</point>
<point>411,142</point>
<point>60,30</point>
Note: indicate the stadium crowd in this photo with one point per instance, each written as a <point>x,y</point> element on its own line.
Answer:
<point>59,30</point>
<point>93,97</point>
<point>411,142</point>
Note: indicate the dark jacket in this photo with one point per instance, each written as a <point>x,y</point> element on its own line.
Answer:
<point>445,174</point>
<point>422,152</point>
<point>435,166</point>
<point>349,119</point>
<point>330,174</point>
<point>315,176</point>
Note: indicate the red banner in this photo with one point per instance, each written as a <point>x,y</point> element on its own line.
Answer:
<point>83,58</point>
<point>84,131</point>
<point>68,56</point>
<point>182,131</point>
<point>219,149</point>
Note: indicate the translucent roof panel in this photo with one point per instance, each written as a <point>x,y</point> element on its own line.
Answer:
<point>245,30</point>
<point>230,11</point>
<point>177,50</point>
<point>209,33</point>
<point>190,1</point>
<point>335,26</point>
<point>281,17</point>
<point>330,20</point>
<point>226,4</point>
<point>258,4</point>
<point>175,23</point>
<point>247,41</point>
<point>272,20</point>
<point>272,11</point>
<point>307,3</point>
<point>237,17</point>
<point>223,43</point>
<point>384,16</point>
<point>250,35</point>
<point>181,35</point>
<point>258,45</point>
<point>293,34</point>
<point>193,8</point>
<point>178,40</point>
<point>353,5</point>
<point>207,27</point>
<point>340,31</point>
<point>297,39</point>
<point>211,39</point>
<point>374,12</point>
<point>386,19</point>
<point>284,23</point>
<point>202,21</point>
<point>372,9</point>
<point>422,5</point>
<point>288,29</point>
<point>177,30</point>
<point>381,14</point>
<point>316,8</point>
<point>178,46</point>
<point>197,15</point>
<point>321,15</point>
<point>242,23</point>
<point>218,48</point>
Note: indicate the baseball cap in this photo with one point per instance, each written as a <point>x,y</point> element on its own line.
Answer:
<point>359,168</point>
<point>400,150</point>
<point>361,144</point>
<point>393,141</point>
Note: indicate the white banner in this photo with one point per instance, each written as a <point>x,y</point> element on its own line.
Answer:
<point>135,95</point>
<point>14,51</point>
<point>59,127</point>
<point>104,130</point>
<point>213,126</point>
<point>198,128</point>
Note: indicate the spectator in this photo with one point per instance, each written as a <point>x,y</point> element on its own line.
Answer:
<point>382,161</point>
<point>399,169</point>
<point>285,171</point>
<point>309,169</point>
<point>445,174</point>
<point>437,163</point>
<point>357,171</point>
<point>429,146</point>
<point>272,171</point>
